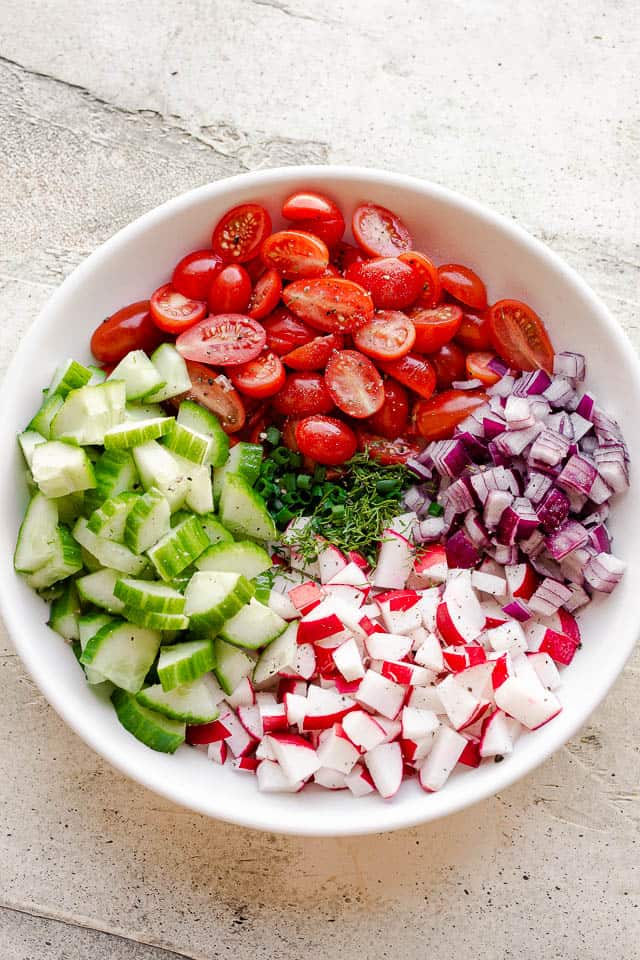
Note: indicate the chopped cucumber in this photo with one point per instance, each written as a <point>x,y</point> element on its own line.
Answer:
<point>98,375</point>
<point>133,433</point>
<point>87,413</point>
<point>123,653</point>
<point>61,468</point>
<point>213,597</point>
<point>187,443</point>
<point>149,520</point>
<point>28,441</point>
<point>197,418</point>
<point>232,665</point>
<point>146,595</point>
<point>181,546</point>
<point>66,561</point>
<point>115,472</point>
<point>243,512</point>
<point>172,370</point>
<point>71,507</point>
<point>151,728</point>
<point>70,375</point>
<point>195,702</point>
<point>243,557</point>
<point>139,375</point>
<point>253,626</point>
<point>110,518</point>
<point>184,662</point>
<point>157,468</point>
<point>98,588</point>
<point>200,494</point>
<point>41,423</point>
<point>279,654</point>
<point>156,621</point>
<point>244,459</point>
<point>143,411</point>
<point>214,529</point>
<point>65,611</point>
<point>88,626</point>
<point>38,535</point>
<point>107,552</point>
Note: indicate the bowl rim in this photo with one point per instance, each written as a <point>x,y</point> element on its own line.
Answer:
<point>391,816</point>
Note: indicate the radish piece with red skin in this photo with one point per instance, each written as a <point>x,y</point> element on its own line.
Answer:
<point>488,583</point>
<point>496,738</point>
<point>418,724</point>
<point>383,696</point>
<point>461,707</point>
<point>337,751</point>
<point>363,730</point>
<point>477,680</point>
<point>218,752</point>
<point>330,779</point>
<point>406,674</point>
<point>273,716</point>
<point>532,708</point>
<point>352,574</point>
<point>326,707</point>
<point>385,765</point>
<point>387,646</point>
<point>251,720</point>
<point>272,779</point>
<point>290,685</point>
<point>239,741</point>
<point>426,698</point>
<point>246,764</point>
<point>444,755</point>
<point>546,670</point>
<point>359,781</point>
<point>296,708</point>
<point>348,660</point>
<point>470,756</point>
<point>295,755</point>
<point>395,561</point>
<point>306,596</point>
<point>429,653</point>
<point>559,646</point>
<point>205,733</point>
<point>508,636</point>
<point>243,695</point>
<point>313,628</point>
<point>331,562</point>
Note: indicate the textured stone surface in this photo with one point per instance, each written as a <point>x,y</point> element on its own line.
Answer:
<point>105,111</point>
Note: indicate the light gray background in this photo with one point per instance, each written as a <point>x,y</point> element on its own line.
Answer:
<point>108,109</point>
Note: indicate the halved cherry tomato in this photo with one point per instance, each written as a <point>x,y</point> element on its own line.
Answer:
<point>331,303</point>
<point>130,328</point>
<point>262,377</point>
<point>463,284</point>
<point>437,418</point>
<point>174,313</point>
<point>379,231</point>
<point>285,332</point>
<point>192,276</point>
<point>326,440</point>
<point>412,371</point>
<point>355,385</point>
<point>388,336</point>
<point>391,283</point>
<point>331,271</point>
<point>266,295</point>
<point>214,392</point>
<point>230,290</point>
<point>519,336</point>
<point>344,254</point>
<point>225,340</point>
<point>387,452</point>
<point>330,231</point>
<point>435,326</point>
<point>391,419</point>
<point>474,332</point>
<point>289,434</point>
<point>295,254</point>
<point>429,295</point>
<point>238,235</point>
<point>478,368</point>
<point>302,395</point>
<point>255,268</point>
<point>449,364</point>
<point>315,354</point>
<point>309,205</point>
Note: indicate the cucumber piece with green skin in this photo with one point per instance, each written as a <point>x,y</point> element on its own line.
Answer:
<point>109,519</point>
<point>98,375</point>
<point>195,417</point>
<point>244,459</point>
<point>279,654</point>
<point>143,411</point>
<point>123,653</point>
<point>71,507</point>
<point>150,727</point>
<point>232,665</point>
<point>156,621</point>
<point>38,535</point>
<point>199,498</point>
<point>41,423</point>
<point>158,468</point>
<point>98,588</point>
<point>61,468</point>
<point>149,519</point>
<point>172,370</point>
<point>107,552</point>
<point>179,548</point>
<point>150,596</point>
<point>66,561</point>
<point>115,473</point>
<point>184,662</point>
<point>88,413</point>
<point>262,587</point>
<point>195,702</point>
<point>243,557</point>
<point>69,376</point>
<point>88,626</point>
<point>134,433</point>
<point>64,613</point>
<point>243,512</point>
<point>188,444</point>
<point>214,529</point>
<point>28,441</point>
<point>212,597</point>
<point>254,626</point>
<point>139,375</point>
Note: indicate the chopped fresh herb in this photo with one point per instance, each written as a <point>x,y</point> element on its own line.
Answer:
<point>435,510</point>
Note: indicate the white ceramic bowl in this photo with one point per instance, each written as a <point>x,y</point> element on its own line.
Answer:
<point>449,228</point>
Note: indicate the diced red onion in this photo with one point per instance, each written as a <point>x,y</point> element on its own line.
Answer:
<point>579,598</point>
<point>561,423</point>
<point>588,444</point>
<point>428,530</point>
<point>532,383</point>
<point>600,492</point>
<point>549,597</point>
<point>474,446</point>
<point>461,552</point>
<point>567,364</point>
<point>493,426</point>
<point>466,384</point>
<point>471,426</point>
<point>539,407</point>
<point>599,538</point>
<point>504,554</point>
<point>517,609</point>
<point>414,498</point>
<point>497,404</point>
<point>570,536</point>
<point>603,572</point>
<point>573,565</point>
<point>538,484</point>
<point>459,496</point>
<point>519,520</point>
<point>498,366</point>
<point>476,529</point>
<point>546,566</point>
<point>449,457</point>
<point>580,425</point>
<point>515,442</point>
<point>553,510</point>
<point>559,392</point>
<point>578,474</point>
<point>584,404</point>
<point>548,449</point>
<point>604,425</point>
<point>504,387</point>
<point>533,545</point>
<point>576,501</point>
<point>495,503</point>
<point>597,514</point>
<point>612,467</point>
<point>518,413</point>
<point>493,478</point>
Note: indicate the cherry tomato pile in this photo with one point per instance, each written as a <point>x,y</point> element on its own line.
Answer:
<point>341,346</point>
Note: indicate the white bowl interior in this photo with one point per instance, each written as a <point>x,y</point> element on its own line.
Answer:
<point>129,267</point>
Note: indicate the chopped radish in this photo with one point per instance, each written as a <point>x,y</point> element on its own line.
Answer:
<point>559,646</point>
<point>429,653</point>
<point>295,755</point>
<point>350,575</point>
<point>337,751</point>
<point>272,779</point>
<point>264,751</point>
<point>348,660</point>
<point>488,583</point>
<point>477,680</point>
<point>443,756</point>
<point>281,604</point>
<point>326,707</point>
<point>384,763</point>
<point>218,752</point>
<point>418,724</point>
<point>305,661</point>
<point>429,602</point>
<point>392,728</point>
<point>429,568</point>
<point>426,698</point>
<point>273,716</point>
<point>401,620</point>
<point>345,594</point>
<point>521,580</point>
<point>496,738</point>
<point>330,779</point>
<point>494,614</point>
<point>296,707</point>
<point>395,561</point>
<point>461,707</point>
<point>406,674</point>
<point>387,646</point>
<point>413,751</point>
<point>508,636</point>
<point>363,730</point>
<point>242,696</point>
<point>251,720</point>
<point>546,670</point>
<point>534,632</point>
<point>203,733</point>
<point>246,764</point>
<point>470,756</point>
<point>306,596</point>
<point>330,562</point>
<point>359,781</point>
<point>516,698</point>
<point>383,696</point>
<point>240,742</point>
